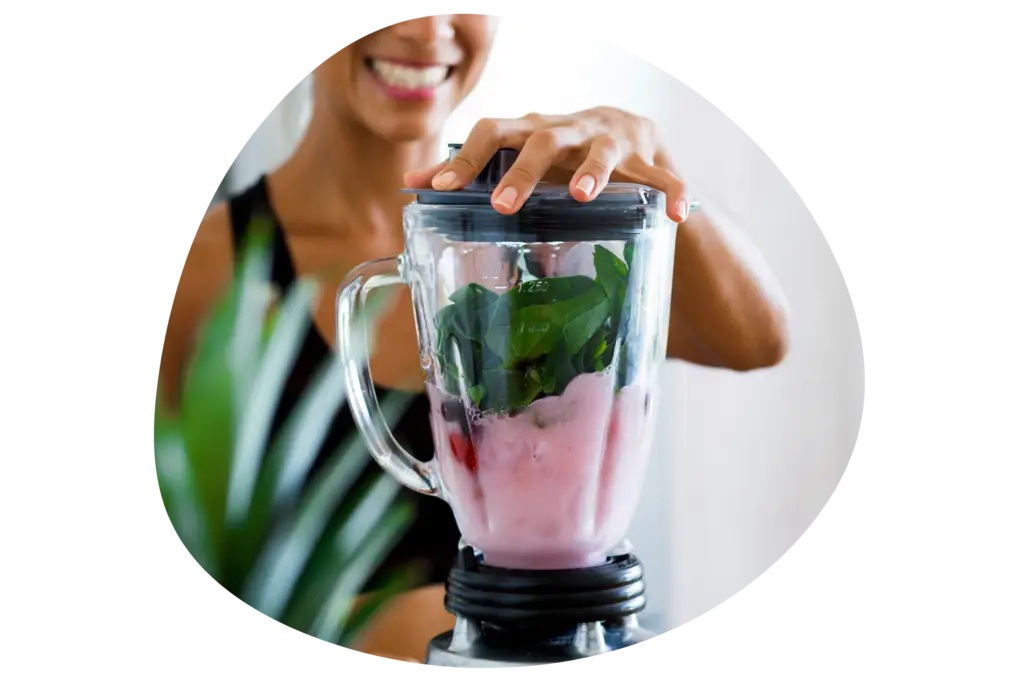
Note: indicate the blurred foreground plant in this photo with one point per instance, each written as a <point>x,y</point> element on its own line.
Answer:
<point>299,551</point>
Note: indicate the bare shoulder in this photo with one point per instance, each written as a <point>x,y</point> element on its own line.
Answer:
<point>208,264</point>
<point>213,245</point>
<point>207,273</point>
<point>208,268</point>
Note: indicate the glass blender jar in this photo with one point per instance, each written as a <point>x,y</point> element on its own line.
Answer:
<point>541,335</point>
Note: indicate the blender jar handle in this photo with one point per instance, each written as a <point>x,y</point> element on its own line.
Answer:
<point>354,348</point>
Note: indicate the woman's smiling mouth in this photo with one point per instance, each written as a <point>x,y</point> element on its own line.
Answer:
<point>408,80</point>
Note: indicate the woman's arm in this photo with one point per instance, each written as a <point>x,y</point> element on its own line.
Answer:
<point>726,309</point>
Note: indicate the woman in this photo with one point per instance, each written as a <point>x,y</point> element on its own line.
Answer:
<point>379,106</point>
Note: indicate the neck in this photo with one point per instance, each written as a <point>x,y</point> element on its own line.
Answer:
<point>349,176</point>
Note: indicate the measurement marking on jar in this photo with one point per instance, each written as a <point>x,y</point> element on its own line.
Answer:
<point>535,328</point>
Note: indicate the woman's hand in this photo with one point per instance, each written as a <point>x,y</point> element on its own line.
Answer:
<point>586,150</point>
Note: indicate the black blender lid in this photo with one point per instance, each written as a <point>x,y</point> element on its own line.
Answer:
<point>619,211</point>
<point>614,195</point>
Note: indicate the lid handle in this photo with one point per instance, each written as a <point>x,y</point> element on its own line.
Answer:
<point>496,168</point>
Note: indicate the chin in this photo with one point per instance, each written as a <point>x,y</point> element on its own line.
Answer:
<point>403,129</point>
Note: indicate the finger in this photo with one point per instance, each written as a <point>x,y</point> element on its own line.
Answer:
<point>677,200</point>
<point>539,153</point>
<point>421,178</point>
<point>593,175</point>
<point>486,138</point>
<point>664,160</point>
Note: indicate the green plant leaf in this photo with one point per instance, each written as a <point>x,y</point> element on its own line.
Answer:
<point>211,391</point>
<point>537,328</point>
<point>510,389</point>
<point>456,355</point>
<point>499,332</point>
<point>245,526</point>
<point>295,448</point>
<point>625,352</point>
<point>461,326</point>
<point>474,295</point>
<point>535,331</point>
<point>393,585</point>
<point>231,391</point>
<point>257,414</point>
<point>254,292</point>
<point>330,620</point>
<point>443,320</point>
<point>360,516</point>
<point>612,275</point>
<point>476,393</point>
<point>272,581</point>
<point>294,452</point>
<point>558,370</point>
<point>599,350</point>
<point>181,496</point>
<point>586,321</point>
<point>533,338</point>
<point>207,421</point>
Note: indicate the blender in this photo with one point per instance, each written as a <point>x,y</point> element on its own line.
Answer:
<point>541,335</point>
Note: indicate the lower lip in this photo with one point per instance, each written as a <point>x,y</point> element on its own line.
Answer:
<point>405,93</point>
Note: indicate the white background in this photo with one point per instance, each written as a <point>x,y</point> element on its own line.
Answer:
<point>742,463</point>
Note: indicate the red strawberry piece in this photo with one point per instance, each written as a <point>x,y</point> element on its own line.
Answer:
<point>462,450</point>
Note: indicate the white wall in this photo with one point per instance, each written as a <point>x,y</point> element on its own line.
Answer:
<point>742,463</point>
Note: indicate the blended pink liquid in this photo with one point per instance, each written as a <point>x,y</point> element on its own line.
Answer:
<point>553,486</point>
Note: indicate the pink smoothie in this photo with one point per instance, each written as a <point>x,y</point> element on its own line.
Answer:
<point>553,486</point>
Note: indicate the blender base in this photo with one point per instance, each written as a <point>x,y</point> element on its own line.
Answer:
<point>506,617</point>
<point>466,647</point>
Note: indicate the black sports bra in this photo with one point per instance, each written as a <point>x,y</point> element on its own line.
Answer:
<point>432,541</point>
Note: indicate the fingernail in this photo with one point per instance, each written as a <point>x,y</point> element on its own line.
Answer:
<point>684,210</point>
<point>445,180</point>
<point>507,198</point>
<point>586,184</point>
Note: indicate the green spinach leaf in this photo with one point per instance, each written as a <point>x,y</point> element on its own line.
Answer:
<point>536,329</point>
<point>497,336</point>
<point>612,275</point>
<point>509,349</point>
<point>474,294</point>
<point>510,389</point>
<point>558,370</point>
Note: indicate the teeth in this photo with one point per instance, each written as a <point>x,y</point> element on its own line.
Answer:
<point>408,77</point>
